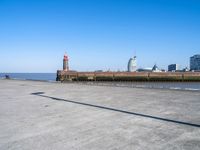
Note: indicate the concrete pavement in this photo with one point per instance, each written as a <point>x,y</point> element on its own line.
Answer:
<point>48,116</point>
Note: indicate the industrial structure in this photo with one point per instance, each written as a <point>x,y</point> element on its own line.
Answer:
<point>195,63</point>
<point>155,75</point>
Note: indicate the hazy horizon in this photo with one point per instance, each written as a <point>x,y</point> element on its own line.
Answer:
<point>97,34</point>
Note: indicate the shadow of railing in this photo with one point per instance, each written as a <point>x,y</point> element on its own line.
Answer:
<point>117,110</point>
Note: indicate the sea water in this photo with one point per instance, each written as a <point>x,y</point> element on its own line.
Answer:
<point>31,76</point>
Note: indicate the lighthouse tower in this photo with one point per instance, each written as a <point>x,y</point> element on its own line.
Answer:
<point>65,63</point>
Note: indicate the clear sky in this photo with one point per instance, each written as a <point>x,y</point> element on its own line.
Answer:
<point>97,34</point>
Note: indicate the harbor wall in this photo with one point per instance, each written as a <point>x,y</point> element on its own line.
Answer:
<point>127,76</point>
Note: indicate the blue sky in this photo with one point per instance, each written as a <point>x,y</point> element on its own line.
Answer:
<point>97,34</point>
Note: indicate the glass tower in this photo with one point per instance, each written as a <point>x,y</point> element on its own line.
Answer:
<point>195,62</point>
<point>132,64</point>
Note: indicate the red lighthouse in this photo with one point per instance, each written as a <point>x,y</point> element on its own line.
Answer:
<point>65,63</point>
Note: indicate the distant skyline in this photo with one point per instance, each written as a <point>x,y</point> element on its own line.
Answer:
<point>97,34</point>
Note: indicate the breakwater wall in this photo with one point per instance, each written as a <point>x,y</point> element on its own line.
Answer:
<point>127,76</point>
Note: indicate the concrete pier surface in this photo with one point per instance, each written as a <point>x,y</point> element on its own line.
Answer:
<point>54,116</point>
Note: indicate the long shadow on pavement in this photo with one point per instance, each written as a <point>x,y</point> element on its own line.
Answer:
<point>117,110</point>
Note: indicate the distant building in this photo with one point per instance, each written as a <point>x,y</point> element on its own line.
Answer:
<point>185,69</point>
<point>163,70</point>
<point>195,62</point>
<point>174,67</point>
<point>98,71</point>
<point>132,64</point>
<point>144,70</point>
<point>155,69</point>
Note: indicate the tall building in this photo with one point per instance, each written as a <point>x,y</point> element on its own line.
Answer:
<point>132,64</point>
<point>173,67</point>
<point>195,62</point>
<point>65,63</point>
